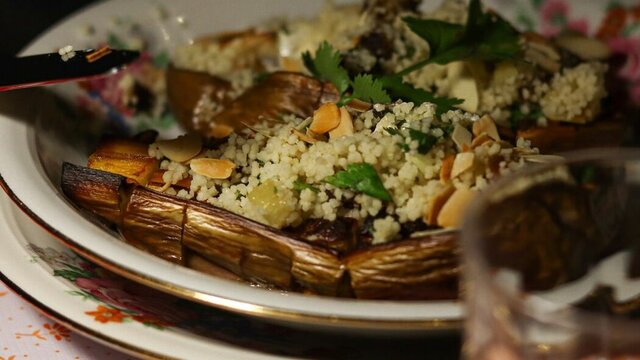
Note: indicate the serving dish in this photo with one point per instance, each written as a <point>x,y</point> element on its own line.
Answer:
<point>26,154</point>
<point>146,323</point>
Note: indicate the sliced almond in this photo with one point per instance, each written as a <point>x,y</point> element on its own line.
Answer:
<point>304,137</point>
<point>436,204</point>
<point>220,131</point>
<point>359,105</point>
<point>467,90</point>
<point>480,140</point>
<point>325,119</point>
<point>461,137</point>
<point>541,52</point>
<point>447,166</point>
<point>453,210</point>
<point>486,125</point>
<point>542,159</point>
<point>463,162</point>
<point>213,168</point>
<point>346,125</point>
<point>584,47</point>
<point>182,148</point>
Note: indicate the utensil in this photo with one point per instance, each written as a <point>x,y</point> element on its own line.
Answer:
<point>66,65</point>
<point>552,261</point>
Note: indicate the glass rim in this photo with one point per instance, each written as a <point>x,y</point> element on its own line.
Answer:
<point>472,252</point>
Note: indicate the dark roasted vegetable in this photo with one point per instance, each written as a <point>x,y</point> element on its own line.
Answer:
<point>186,91</point>
<point>282,93</point>
<point>423,268</point>
<point>153,222</point>
<point>96,191</point>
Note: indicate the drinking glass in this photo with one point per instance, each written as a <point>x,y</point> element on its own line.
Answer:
<point>552,261</point>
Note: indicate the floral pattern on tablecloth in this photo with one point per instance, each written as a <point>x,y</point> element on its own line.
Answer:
<point>26,334</point>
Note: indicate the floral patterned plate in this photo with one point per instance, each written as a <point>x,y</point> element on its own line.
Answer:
<point>145,322</point>
<point>30,161</point>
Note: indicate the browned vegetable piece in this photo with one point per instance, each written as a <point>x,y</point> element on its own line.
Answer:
<point>258,252</point>
<point>124,157</point>
<point>153,222</point>
<point>96,191</point>
<point>340,235</point>
<point>422,268</point>
<point>557,235</point>
<point>199,263</point>
<point>563,137</point>
<point>186,88</point>
<point>280,93</point>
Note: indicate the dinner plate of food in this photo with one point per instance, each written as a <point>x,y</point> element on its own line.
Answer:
<point>307,165</point>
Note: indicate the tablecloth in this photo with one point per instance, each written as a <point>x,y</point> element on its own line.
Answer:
<point>27,334</point>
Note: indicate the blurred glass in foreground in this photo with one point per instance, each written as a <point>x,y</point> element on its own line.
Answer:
<point>552,262</point>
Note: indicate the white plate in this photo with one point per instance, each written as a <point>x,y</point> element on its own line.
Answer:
<point>151,324</point>
<point>25,180</point>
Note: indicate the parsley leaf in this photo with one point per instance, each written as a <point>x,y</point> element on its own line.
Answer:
<point>300,185</point>
<point>368,89</point>
<point>425,141</point>
<point>326,66</point>
<point>485,37</point>
<point>362,178</point>
<point>399,89</point>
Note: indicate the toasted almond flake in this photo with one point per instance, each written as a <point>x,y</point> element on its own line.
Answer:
<point>584,47</point>
<point>542,159</point>
<point>213,168</point>
<point>463,162</point>
<point>359,105</point>
<point>325,119</point>
<point>220,131</point>
<point>453,210</point>
<point>486,125</point>
<point>435,205</point>
<point>467,90</point>
<point>182,148</point>
<point>304,137</point>
<point>447,166</point>
<point>346,125</point>
<point>480,140</point>
<point>461,137</point>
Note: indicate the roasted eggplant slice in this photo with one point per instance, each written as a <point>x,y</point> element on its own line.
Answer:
<point>423,268</point>
<point>258,252</point>
<point>280,93</point>
<point>96,191</point>
<point>153,222</point>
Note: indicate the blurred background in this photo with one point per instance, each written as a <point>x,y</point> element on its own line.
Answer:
<point>23,20</point>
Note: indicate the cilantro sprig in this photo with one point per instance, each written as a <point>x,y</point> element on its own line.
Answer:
<point>361,177</point>
<point>326,65</point>
<point>485,37</point>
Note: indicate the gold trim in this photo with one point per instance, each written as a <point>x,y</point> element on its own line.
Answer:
<point>81,329</point>
<point>235,306</point>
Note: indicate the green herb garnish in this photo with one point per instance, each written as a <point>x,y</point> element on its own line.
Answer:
<point>426,142</point>
<point>300,185</point>
<point>326,66</point>
<point>362,178</point>
<point>485,37</point>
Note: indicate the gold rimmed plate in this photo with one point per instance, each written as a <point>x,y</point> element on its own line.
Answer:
<point>35,140</point>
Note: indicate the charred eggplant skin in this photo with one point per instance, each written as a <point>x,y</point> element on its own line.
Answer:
<point>170,227</point>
